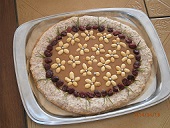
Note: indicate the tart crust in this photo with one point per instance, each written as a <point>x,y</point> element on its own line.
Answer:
<point>94,105</point>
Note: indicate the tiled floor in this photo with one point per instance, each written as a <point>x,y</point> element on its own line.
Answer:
<point>162,25</point>
<point>32,9</point>
<point>158,8</point>
<point>159,13</point>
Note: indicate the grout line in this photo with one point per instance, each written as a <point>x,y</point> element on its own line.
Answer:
<point>154,16</point>
<point>159,17</point>
<point>164,43</point>
<point>33,8</point>
<point>146,8</point>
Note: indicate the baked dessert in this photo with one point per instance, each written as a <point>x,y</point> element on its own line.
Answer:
<point>89,65</point>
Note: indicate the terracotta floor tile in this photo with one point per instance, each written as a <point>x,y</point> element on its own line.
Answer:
<point>32,9</point>
<point>162,25</point>
<point>26,12</point>
<point>158,8</point>
<point>136,4</point>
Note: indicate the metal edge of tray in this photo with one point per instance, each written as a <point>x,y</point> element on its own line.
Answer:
<point>31,106</point>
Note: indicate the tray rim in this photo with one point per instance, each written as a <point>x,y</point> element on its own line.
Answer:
<point>45,118</point>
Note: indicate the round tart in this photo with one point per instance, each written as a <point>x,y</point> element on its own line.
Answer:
<point>89,65</point>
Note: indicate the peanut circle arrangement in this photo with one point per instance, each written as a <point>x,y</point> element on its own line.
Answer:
<point>89,59</point>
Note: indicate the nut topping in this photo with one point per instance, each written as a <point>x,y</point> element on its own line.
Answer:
<point>72,80</point>
<point>116,43</point>
<point>88,35</point>
<point>127,56</point>
<point>98,49</point>
<point>122,70</point>
<point>59,65</point>
<point>101,42</point>
<point>104,37</point>
<point>96,73</point>
<point>104,64</point>
<point>73,38</point>
<point>91,59</point>
<point>82,49</point>
<point>62,48</point>
<point>74,60</point>
<point>86,70</point>
<point>110,79</point>
<point>92,83</point>
<point>112,55</point>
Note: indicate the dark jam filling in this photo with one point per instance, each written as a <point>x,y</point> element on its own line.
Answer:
<point>60,84</point>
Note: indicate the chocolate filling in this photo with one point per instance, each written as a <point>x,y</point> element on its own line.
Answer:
<point>51,54</point>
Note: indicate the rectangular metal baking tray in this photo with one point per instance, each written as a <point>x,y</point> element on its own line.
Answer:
<point>33,109</point>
